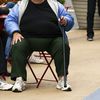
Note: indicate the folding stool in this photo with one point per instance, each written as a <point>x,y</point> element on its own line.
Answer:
<point>38,80</point>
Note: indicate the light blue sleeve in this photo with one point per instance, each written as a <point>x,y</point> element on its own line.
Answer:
<point>62,12</point>
<point>11,22</point>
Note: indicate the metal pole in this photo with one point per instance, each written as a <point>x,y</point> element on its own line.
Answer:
<point>64,56</point>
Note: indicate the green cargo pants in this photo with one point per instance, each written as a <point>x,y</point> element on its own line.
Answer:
<point>53,46</point>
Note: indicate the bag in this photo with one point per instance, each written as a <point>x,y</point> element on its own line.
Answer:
<point>4,10</point>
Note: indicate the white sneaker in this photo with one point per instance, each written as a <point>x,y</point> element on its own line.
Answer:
<point>36,60</point>
<point>5,86</point>
<point>19,85</point>
<point>60,86</point>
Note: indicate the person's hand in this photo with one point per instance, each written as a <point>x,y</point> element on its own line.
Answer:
<point>3,5</point>
<point>17,37</point>
<point>63,21</point>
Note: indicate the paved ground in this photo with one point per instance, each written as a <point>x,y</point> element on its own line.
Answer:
<point>84,73</point>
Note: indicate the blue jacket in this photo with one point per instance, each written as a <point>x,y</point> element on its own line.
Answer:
<point>13,19</point>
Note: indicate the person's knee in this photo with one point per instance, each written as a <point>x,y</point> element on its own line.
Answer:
<point>17,48</point>
<point>59,44</point>
<point>21,46</point>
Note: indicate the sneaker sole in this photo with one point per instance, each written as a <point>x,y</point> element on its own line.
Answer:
<point>66,89</point>
<point>16,90</point>
<point>6,89</point>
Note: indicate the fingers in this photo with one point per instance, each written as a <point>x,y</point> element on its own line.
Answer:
<point>17,37</point>
<point>62,21</point>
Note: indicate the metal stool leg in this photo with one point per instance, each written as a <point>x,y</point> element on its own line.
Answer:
<point>32,70</point>
<point>48,63</point>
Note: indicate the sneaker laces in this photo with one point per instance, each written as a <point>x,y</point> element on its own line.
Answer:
<point>19,81</point>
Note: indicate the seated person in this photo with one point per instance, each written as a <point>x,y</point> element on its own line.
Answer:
<point>36,28</point>
<point>4,9</point>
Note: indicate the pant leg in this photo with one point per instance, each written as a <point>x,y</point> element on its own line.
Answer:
<point>90,17</point>
<point>21,50</point>
<point>56,50</point>
<point>55,47</point>
<point>2,69</point>
<point>19,54</point>
<point>4,61</point>
<point>99,7</point>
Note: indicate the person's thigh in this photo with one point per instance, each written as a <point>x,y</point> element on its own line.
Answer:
<point>57,45</point>
<point>91,6</point>
<point>39,44</point>
<point>57,52</point>
<point>21,48</point>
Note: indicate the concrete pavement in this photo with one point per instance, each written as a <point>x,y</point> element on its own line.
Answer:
<point>84,73</point>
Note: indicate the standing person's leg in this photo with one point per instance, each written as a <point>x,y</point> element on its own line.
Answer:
<point>90,19</point>
<point>56,50</point>
<point>99,7</point>
<point>19,54</point>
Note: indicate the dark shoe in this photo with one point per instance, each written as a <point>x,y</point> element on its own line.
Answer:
<point>90,39</point>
